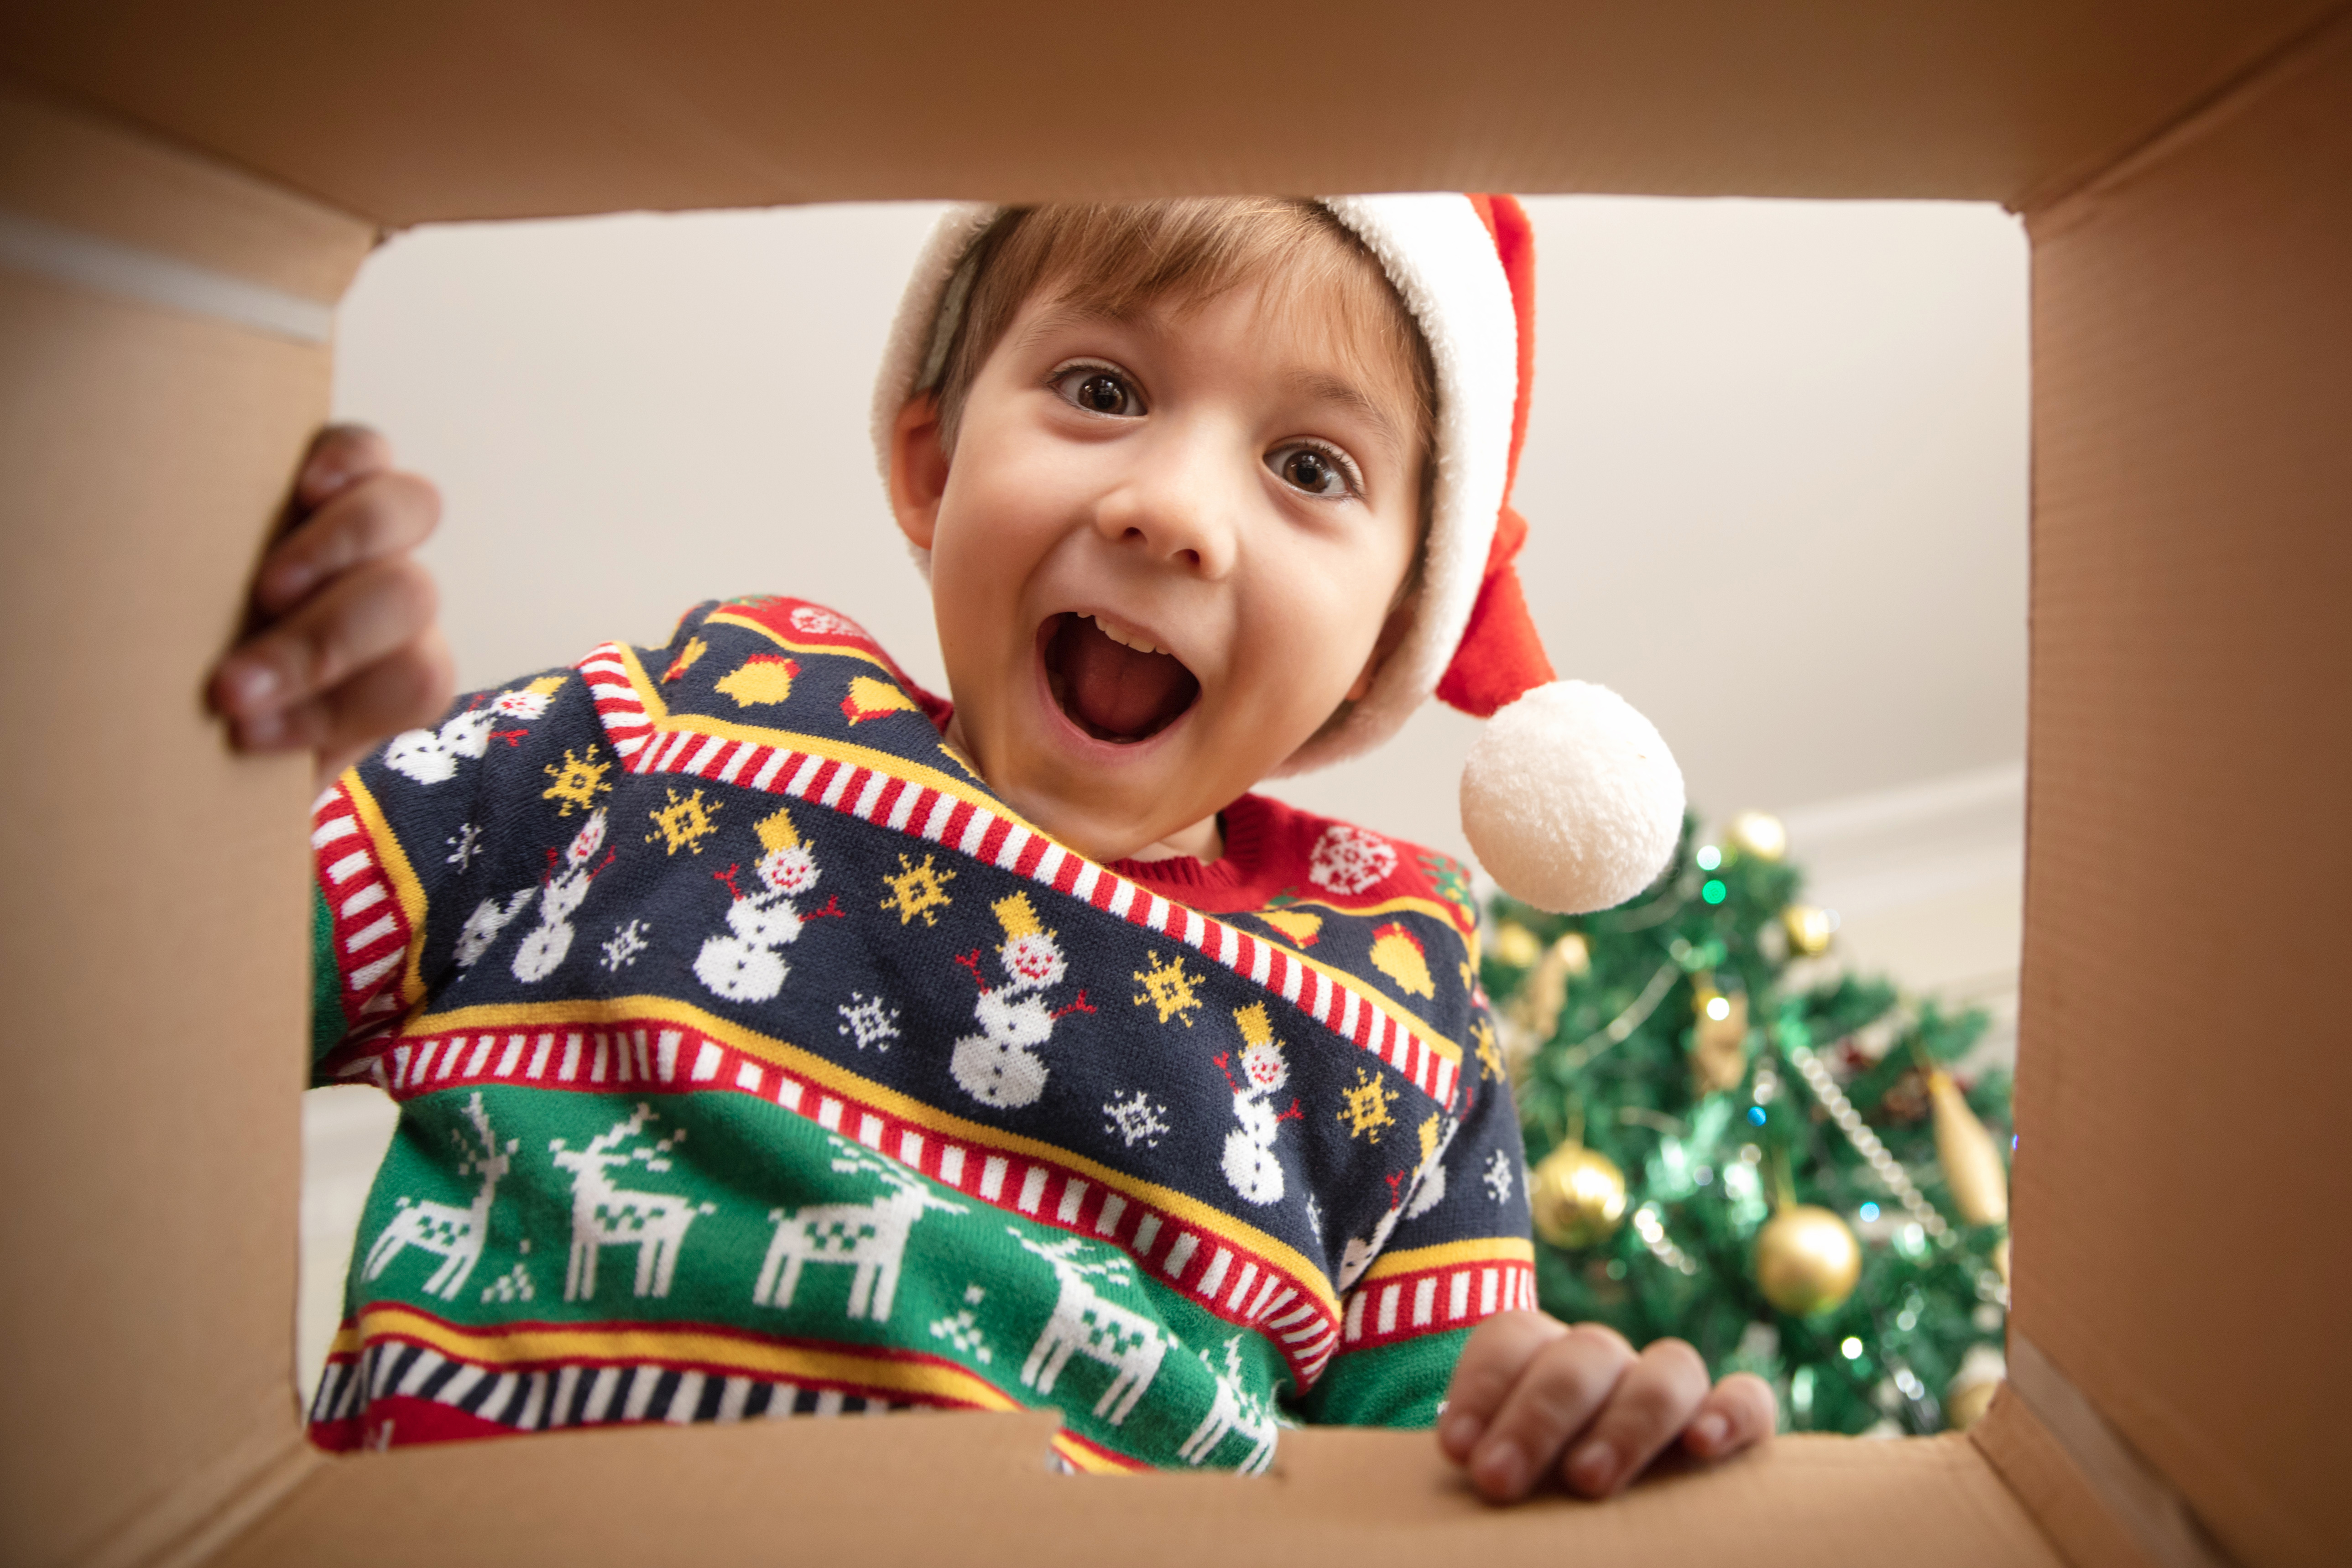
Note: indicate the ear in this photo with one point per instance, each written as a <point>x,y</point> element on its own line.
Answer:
<point>919,469</point>
<point>1392,631</point>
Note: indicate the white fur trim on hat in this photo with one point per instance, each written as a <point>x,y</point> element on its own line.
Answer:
<point>1570,798</point>
<point>912,355</point>
<point>1441,260</point>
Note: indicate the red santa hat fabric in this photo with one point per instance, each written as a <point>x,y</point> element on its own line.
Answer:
<point>1570,798</point>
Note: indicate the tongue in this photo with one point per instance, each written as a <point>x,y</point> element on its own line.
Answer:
<point>1113,690</point>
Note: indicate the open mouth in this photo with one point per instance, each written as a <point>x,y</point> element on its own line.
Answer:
<point>1113,690</point>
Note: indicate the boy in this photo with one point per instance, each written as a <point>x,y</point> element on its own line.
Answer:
<point>957,1054</point>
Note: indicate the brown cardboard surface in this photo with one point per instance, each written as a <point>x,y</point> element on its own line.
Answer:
<point>155,948</point>
<point>100,179</point>
<point>974,1490</point>
<point>2184,1067</point>
<point>2044,1477</point>
<point>436,109</point>
<point>2181,1248</point>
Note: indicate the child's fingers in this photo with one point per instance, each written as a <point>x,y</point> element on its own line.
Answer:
<point>1560,1389</point>
<point>405,691</point>
<point>1739,1414</point>
<point>1647,1410</point>
<point>357,619</point>
<point>378,514</point>
<point>339,455</point>
<point>1490,1364</point>
<point>407,687</point>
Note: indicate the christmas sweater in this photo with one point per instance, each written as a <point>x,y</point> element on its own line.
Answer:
<point>755,1059</point>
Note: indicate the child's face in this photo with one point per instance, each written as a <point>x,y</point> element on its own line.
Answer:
<point>1213,481</point>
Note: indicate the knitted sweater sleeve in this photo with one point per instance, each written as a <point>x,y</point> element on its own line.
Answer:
<point>414,862</point>
<point>1460,1252</point>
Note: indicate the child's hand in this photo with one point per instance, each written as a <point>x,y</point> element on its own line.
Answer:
<point>1529,1388</point>
<point>343,650</point>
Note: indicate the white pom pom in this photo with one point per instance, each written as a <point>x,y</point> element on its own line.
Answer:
<point>1571,799</point>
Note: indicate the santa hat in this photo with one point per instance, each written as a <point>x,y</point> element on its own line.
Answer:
<point>1570,797</point>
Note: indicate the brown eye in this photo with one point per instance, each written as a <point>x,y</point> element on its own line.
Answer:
<point>1099,391</point>
<point>1312,469</point>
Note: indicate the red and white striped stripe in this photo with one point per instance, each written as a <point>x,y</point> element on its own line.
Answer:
<point>937,817</point>
<point>1232,1279</point>
<point>1433,1301</point>
<point>370,929</point>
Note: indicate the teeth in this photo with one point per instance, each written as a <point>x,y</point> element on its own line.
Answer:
<point>1110,631</point>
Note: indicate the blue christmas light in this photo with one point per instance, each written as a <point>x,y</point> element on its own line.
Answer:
<point>1714,890</point>
<point>1756,1115</point>
<point>1870,1211</point>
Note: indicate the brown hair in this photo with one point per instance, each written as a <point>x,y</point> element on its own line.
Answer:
<point>1120,257</point>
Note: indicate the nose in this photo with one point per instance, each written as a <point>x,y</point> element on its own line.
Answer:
<point>1178,503</point>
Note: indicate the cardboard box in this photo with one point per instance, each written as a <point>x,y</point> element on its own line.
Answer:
<point>184,191</point>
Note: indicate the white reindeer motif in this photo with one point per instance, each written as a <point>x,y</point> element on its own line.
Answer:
<point>456,1235</point>
<point>1233,1410</point>
<point>870,1237</point>
<point>1126,1342</point>
<point>605,1216</point>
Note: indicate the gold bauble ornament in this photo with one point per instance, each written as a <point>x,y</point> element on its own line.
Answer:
<point>1966,1405</point>
<point>1969,1393</point>
<point>1718,1047</point>
<point>1573,954</point>
<point>1578,1196</point>
<point>1515,945</point>
<point>1807,1260</point>
<point>1972,1160</point>
<point>1760,833</point>
<point>1533,1011</point>
<point>1810,928</point>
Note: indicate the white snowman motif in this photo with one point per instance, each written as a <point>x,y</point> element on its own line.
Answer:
<point>545,947</point>
<point>559,895</point>
<point>1000,1066</point>
<point>431,756</point>
<point>746,963</point>
<point>1250,1163</point>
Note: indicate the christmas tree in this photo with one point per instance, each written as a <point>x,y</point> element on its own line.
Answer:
<point>1733,1141</point>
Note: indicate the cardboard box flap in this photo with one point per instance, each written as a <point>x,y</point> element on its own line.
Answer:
<point>920,1488</point>
<point>2182,1073</point>
<point>437,110</point>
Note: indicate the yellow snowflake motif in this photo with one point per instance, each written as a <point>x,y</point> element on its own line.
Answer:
<point>918,891</point>
<point>1365,1108</point>
<point>1167,987</point>
<point>683,824</point>
<point>578,782</point>
<point>1490,1053</point>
